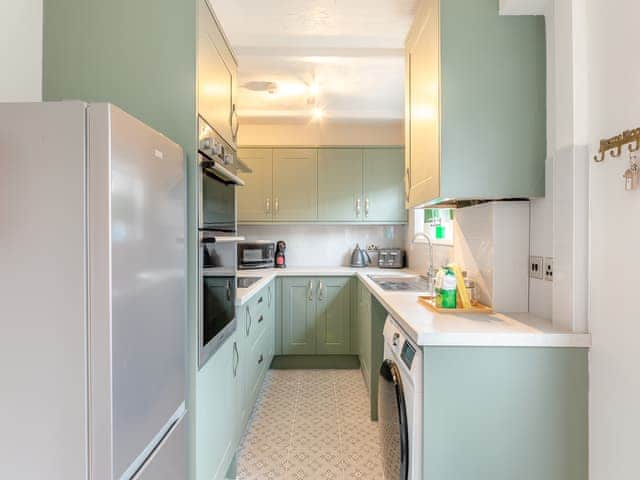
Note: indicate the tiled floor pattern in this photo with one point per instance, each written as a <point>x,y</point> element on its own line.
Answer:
<point>311,424</point>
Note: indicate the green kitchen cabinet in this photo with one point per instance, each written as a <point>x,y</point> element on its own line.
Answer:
<point>384,198</point>
<point>295,184</point>
<point>298,316</point>
<point>255,198</point>
<point>475,97</point>
<point>217,76</point>
<point>333,311</point>
<point>340,196</point>
<point>217,403</point>
<point>316,315</point>
<point>326,184</point>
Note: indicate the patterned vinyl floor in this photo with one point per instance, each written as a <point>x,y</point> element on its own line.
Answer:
<point>311,424</point>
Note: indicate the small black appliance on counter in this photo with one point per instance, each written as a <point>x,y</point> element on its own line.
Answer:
<point>280,259</point>
<point>256,254</point>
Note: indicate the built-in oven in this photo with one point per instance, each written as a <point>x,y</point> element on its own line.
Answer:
<point>217,182</point>
<point>256,254</point>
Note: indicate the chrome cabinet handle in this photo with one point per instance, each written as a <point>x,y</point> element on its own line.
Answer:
<point>268,206</point>
<point>247,322</point>
<point>320,288</point>
<point>234,130</point>
<point>276,205</point>
<point>260,359</point>
<point>260,318</point>
<point>236,359</point>
<point>310,292</point>
<point>366,207</point>
<point>228,290</point>
<point>357,207</point>
<point>269,295</point>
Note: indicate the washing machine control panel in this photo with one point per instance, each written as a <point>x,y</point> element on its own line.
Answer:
<point>407,354</point>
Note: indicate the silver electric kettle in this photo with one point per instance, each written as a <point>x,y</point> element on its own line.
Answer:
<point>360,258</point>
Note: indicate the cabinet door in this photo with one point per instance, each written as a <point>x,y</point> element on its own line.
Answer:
<point>340,185</point>
<point>383,185</point>
<point>244,367</point>
<point>295,188</point>
<point>216,406</point>
<point>333,315</point>
<point>422,131</point>
<point>216,74</point>
<point>364,330</point>
<point>255,201</point>
<point>298,316</point>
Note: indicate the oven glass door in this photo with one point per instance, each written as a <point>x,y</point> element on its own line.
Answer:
<point>218,203</point>
<point>217,293</point>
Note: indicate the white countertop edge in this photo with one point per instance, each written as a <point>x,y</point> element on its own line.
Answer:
<point>539,333</point>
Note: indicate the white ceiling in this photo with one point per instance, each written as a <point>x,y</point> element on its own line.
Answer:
<point>352,50</point>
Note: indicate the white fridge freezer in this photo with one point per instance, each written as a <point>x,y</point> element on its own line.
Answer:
<point>92,295</point>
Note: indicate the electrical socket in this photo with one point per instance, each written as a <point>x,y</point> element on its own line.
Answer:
<point>372,247</point>
<point>548,269</point>
<point>535,267</point>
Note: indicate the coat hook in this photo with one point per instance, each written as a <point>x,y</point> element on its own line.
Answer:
<point>599,157</point>
<point>617,151</point>
<point>637,145</point>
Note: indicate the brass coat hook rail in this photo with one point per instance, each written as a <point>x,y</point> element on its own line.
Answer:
<point>614,145</point>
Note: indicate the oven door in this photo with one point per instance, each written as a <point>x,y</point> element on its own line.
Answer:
<point>217,209</point>
<point>217,315</point>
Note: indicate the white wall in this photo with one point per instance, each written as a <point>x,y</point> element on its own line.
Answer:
<point>324,132</point>
<point>614,105</point>
<point>20,50</point>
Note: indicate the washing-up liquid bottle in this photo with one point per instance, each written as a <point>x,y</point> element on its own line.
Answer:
<point>447,292</point>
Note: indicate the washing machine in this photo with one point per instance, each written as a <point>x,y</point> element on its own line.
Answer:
<point>400,405</point>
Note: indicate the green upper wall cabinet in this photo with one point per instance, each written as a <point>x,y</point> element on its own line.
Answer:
<point>326,185</point>
<point>475,97</point>
<point>383,187</point>
<point>340,185</point>
<point>217,76</point>
<point>295,184</point>
<point>316,315</point>
<point>255,198</point>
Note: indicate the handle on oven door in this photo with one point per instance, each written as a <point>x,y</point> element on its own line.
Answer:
<point>214,239</point>
<point>209,165</point>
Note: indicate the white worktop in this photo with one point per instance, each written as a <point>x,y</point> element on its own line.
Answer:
<point>428,328</point>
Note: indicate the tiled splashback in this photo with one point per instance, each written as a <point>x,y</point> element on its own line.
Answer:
<point>325,245</point>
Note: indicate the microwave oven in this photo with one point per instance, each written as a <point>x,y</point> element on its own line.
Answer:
<point>256,254</point>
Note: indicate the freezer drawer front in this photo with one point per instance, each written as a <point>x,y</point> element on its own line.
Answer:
<point>137,270</point>
<point>169,461</point>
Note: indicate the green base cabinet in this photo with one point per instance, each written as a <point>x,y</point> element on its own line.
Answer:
<point>217,411</point>
<point>504,413</point>
<point>316,315</point>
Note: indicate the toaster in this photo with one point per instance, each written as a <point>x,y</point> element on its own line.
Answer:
<point>391,258</point>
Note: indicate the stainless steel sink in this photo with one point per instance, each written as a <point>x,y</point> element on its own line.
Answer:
<point>405,283</point>
<point>246,282</point>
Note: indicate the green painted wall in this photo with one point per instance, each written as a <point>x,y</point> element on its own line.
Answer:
<point>493,83</point>
<point>141,56</point>
<point>497,413</point>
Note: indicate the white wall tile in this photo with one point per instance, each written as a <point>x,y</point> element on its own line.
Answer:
<point>325,245</point>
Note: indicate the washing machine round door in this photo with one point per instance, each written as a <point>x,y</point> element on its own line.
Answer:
<point>392,420</point>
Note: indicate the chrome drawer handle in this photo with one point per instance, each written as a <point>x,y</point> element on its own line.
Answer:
<point>310,293</point>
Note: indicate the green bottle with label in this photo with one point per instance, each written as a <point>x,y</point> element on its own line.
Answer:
<point>447,291</point>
